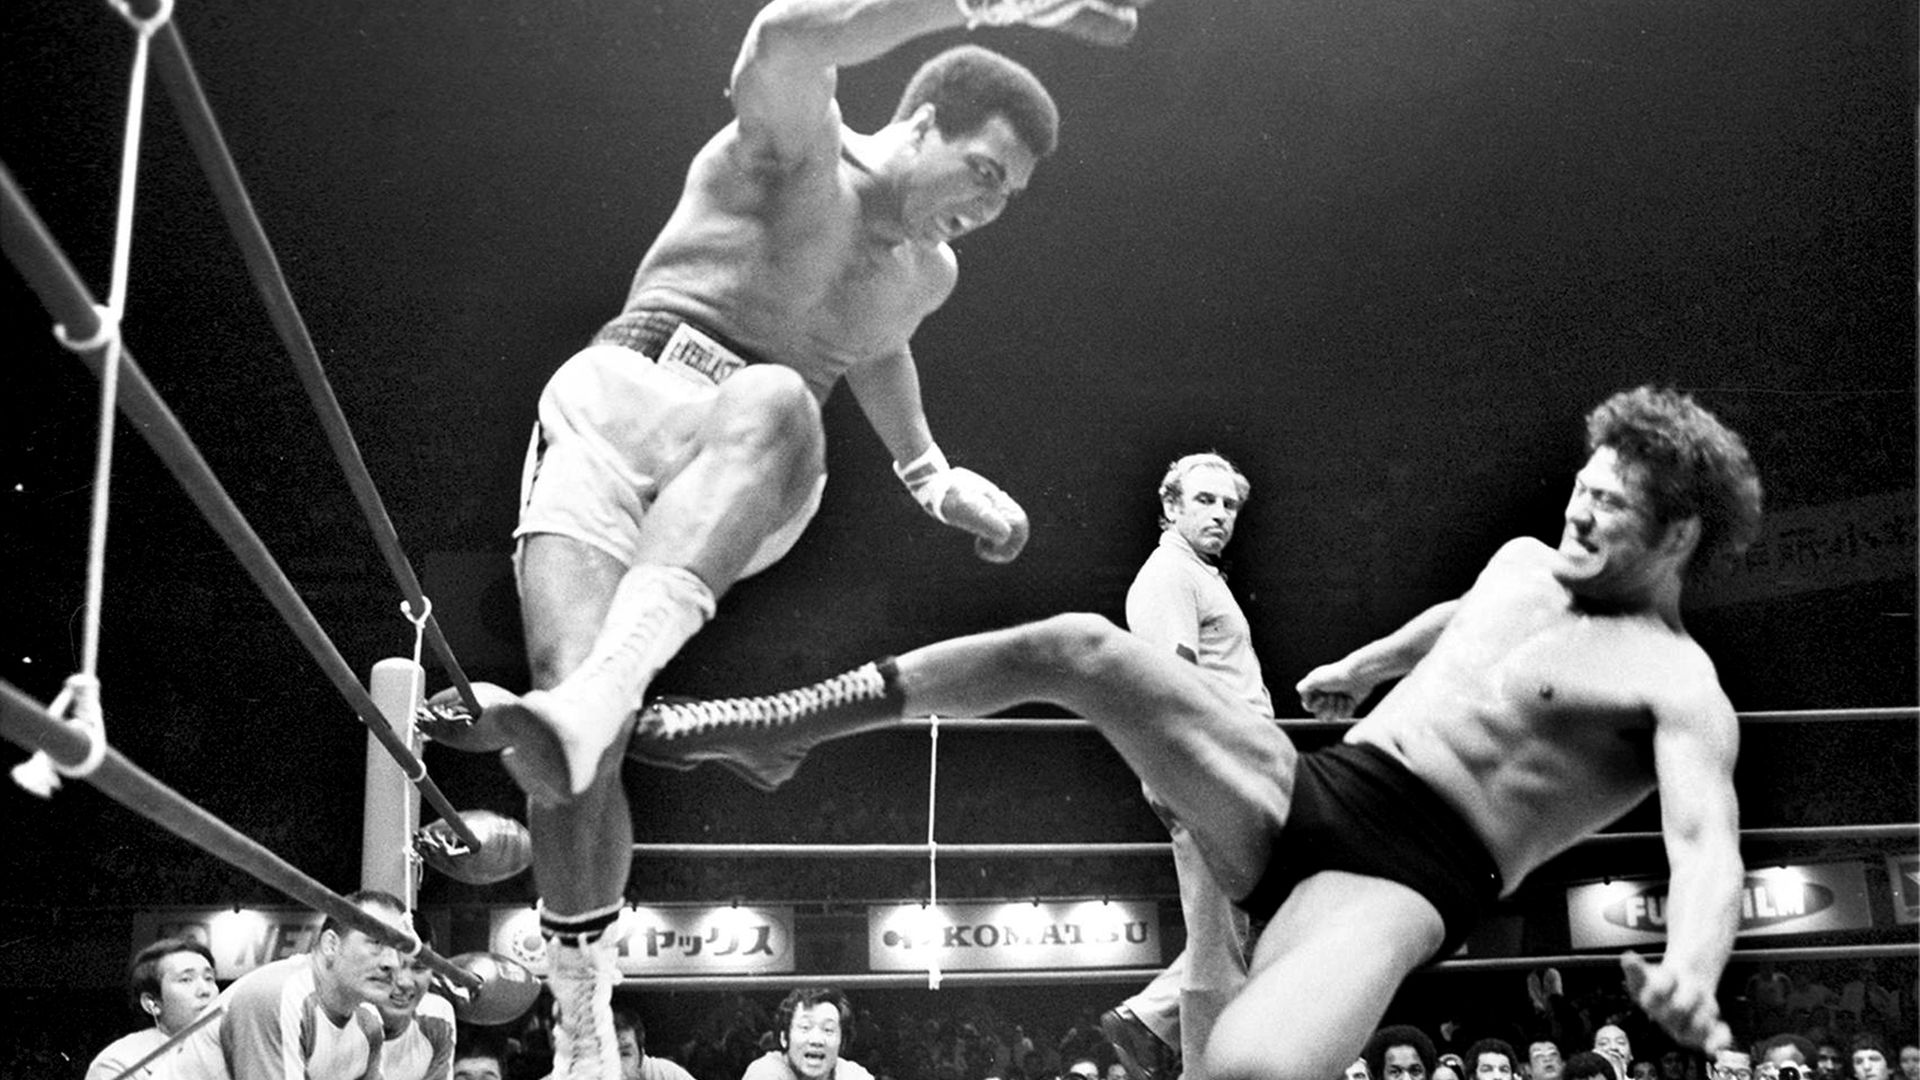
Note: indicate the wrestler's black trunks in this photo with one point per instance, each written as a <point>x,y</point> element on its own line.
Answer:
<point>1356,808</point>
<point>646,331</point>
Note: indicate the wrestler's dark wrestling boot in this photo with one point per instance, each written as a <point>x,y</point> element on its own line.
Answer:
<point>764,739</point>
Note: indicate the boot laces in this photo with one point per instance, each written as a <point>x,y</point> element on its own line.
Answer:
<point>681,719</point>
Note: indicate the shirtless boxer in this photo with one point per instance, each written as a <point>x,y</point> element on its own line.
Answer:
<point>682,449</point>
<point>1552,698</point>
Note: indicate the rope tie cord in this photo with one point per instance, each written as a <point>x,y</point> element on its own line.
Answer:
<point>40,774</point>
<point>933,847</point>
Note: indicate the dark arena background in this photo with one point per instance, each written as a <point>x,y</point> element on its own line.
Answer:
<point>1383,254</point>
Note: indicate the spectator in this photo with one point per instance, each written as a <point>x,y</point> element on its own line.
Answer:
<point>1869,1056</point>
<point>1492,1059</point>
<point>812,1024</point>
<point>1543,1060</point>
<point>1910,1060</point>
<point>170,981</point>
<point>1784,1057</point>
<point>1826,1058</point>
<point>1399,1052</point>
<point>483,1057</point>
<point>635,1064</point>
<point>1730,1064</point>
<point>417,1027</point>
<point>1611,1042</point>
<point>1588,1065</point>
<point>1358,1070</point>
<point>313,1016</point>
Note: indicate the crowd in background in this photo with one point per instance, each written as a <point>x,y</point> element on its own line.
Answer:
<point>1052,1033</point>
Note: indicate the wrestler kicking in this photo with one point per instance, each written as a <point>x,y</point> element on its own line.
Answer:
<point>682,449</point>
<point>1545,703</point>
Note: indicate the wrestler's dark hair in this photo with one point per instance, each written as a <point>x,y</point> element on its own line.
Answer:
<point>1587,1065</point>
<point>1786,1038</point>
<point>1374,1053</point>
<point>1691,465</point>
<point>363,899</point>
<point>1171,485</point>
<point>806,997</point>
<point>143,974</point>
<point>1489,1046</point>
<point>969,85</point>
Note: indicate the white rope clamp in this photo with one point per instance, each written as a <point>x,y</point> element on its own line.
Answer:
<point>107,333</point>
<point>40,774</point>
<point>416,679</point>
<point>150,25</point>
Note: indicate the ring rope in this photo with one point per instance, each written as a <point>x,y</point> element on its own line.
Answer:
<point>27,724</point>
<point>26,242</point>
<point>907,980</point>
<point>1771,716</point>
<point>209,146</point>
<point>212,1013</point>
<point>1792,834</point>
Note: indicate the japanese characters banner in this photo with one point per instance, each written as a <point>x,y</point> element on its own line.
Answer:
<point>671,940</point>
<point>1013,936</point>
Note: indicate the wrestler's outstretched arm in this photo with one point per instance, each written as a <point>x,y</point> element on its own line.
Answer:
<point>1333,691</point>
<point>784,78</point>
<point>888,391</point>
<point>1695,742</point>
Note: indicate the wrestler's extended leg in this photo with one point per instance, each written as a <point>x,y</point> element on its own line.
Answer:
<point>1226,773</point>
<point>1323,974</point>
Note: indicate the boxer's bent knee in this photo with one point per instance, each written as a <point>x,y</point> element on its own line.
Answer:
<point>768,403</point>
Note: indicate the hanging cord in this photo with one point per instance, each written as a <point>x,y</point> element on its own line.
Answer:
<point>933,847</point>
<point>79,699</point>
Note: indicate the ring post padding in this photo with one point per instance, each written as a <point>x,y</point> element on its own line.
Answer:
<point>392,803</point>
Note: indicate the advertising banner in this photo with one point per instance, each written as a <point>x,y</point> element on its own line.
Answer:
<point>670,940</point>
<point>240,940</point>
<point>1777,900</point>
<point>1903,876</point>
<point>1015,936</point>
